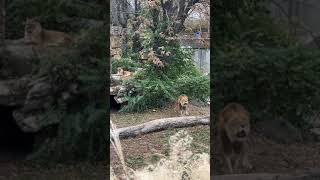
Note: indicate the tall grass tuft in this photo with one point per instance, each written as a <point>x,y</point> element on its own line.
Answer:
<point>181,163</point>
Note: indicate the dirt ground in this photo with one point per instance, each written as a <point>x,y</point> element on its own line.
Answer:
<point>143,150</point>
<point>268,156</point>
<point>13,167</point>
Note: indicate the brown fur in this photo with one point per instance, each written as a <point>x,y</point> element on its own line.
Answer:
<point>121,72</point>
<point>182,104</point>
<point>234,129</point>
<point>36,35</point>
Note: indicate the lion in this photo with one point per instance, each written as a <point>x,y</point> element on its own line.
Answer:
<point>35,34</point>
<point>233,130</point>
<point>182,105</point>
<point>123,73</point>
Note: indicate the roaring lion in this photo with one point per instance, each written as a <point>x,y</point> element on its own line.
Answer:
<point>234,129</point>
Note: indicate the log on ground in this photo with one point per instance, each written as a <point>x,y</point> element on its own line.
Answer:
<point>162,124</point>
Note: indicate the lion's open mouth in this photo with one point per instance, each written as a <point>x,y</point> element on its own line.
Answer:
<point>241,134</point>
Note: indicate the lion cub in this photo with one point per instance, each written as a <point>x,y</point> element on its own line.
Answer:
<point>182,104</point>
<point>234,129</point>
<point>36,35</point>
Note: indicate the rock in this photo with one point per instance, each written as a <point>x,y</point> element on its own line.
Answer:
<point>313,119</point>
<point>33,98</point>
<point>34,122</point>
<point>119,100</point>
<point>116,79</point>
<point>19,57</point>
<point>316,133</point>
<point>13,92</point>
<point>30,98</point>
<point>279,130</point>
<point>37,96</point>
<point>39,90</point>
<point>26,124</point>
<point>114,90</point>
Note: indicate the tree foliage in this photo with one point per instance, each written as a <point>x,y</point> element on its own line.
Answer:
<point>257,64</point>
<point>168,69</point>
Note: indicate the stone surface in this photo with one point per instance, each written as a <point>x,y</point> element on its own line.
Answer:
<point>279,130</point>
<point>13,92</point>
<point>32,97</point>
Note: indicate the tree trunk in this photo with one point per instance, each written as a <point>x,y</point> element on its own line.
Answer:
<point>162,124</point>
<point>179,9</point>
<point>120,10</point>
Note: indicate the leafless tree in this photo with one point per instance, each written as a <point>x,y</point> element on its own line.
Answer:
<point>178,10</point>
<point>120,11</point>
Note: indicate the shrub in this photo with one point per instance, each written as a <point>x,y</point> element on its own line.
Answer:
<point>196,87</point>
<point>126,63</point>
<point>271,82</point>
<point>150,93</point>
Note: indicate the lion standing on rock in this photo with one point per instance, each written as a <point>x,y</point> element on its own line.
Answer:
<point>35,34</point>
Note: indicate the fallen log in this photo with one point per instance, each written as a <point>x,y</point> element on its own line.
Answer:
<point>310,175</point>
<point>162,124</point>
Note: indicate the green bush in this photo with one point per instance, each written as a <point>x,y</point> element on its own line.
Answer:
<point>155,88</point>
<point>196,87</point>
<point>271,82</point>
<point>151,93</point>
<point>126,63</point>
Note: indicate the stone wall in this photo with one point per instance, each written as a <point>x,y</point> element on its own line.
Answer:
<point>116,41</point>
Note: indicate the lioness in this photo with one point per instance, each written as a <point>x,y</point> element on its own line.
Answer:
<point>36,35</point>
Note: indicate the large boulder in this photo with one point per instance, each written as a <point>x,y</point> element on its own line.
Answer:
<point>279,130</point>
<point>30,96</point>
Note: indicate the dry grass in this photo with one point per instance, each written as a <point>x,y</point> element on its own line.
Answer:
<point>181,163</point>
